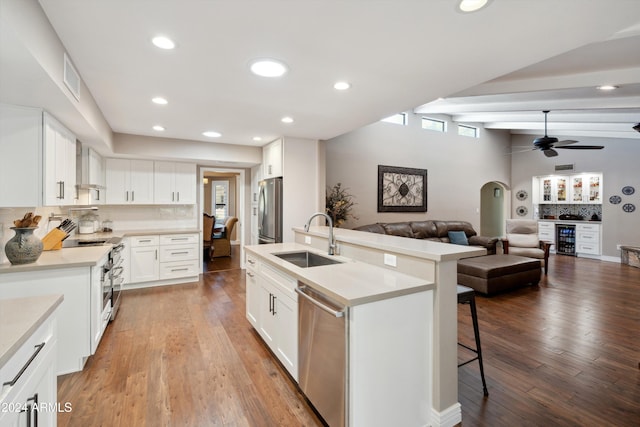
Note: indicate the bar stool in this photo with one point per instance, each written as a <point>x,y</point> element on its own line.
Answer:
<point>467,296</point>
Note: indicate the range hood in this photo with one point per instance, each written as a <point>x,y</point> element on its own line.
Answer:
<point>89,175</point>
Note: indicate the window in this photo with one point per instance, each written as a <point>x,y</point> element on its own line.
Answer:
<point>399,119</point>
<point>466,130</point>
<point>434,124</point>
<point>220,195</point>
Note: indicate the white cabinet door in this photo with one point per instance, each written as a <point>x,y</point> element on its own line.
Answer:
<point>272,159</point>
<point>141,182</point>
<point>59,164</point>
<point>287,344</point>
<point>129,181</point>
<point>164,182</point>
<point>185,183</point>
<point>20,139</point>
<point>144,264</point>
<point>175,183</point>
<point>268,322</point>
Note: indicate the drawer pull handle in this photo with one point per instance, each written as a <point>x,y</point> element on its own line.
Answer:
<point>180,269</point>
<point>26,365</point>
<point>179,253</point>
<point>173,239</point>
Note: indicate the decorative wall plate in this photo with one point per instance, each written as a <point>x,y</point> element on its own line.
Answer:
<point>521,195</point>
<point>614,200</point>
<point>628,190</point>
<point>521,211</point>
<point>629,207</point>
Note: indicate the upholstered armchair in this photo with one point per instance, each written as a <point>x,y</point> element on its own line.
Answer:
<point>222,238</point>
<point>207,234</point>
<point>522,239</point>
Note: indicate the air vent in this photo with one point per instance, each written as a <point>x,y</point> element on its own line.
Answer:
<point>569,167</point>
<point>71,78</point>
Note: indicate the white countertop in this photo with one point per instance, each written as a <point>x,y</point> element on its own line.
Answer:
<point>19,319</point>
<point>350,283</point>
<point>82,256</point>
<point>420,248</point>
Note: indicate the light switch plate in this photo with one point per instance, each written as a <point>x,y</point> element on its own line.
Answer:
<point>390,260</point>
<point>307,240</point>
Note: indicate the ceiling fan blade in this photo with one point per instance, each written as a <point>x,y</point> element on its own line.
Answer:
<point>521,151</point>
<point>565,142</point>
<point>582,147</point>
<point>550,152</point>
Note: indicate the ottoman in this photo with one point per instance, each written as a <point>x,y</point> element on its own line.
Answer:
<point>495,273</point>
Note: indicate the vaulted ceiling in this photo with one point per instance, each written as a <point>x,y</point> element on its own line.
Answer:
<point>499,66</point>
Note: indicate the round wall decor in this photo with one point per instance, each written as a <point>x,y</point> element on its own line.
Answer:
<point>628,207</point>
<point>521,211</point>
<point>614,200</point>
<point>521,195</point>
<point>628,190</point>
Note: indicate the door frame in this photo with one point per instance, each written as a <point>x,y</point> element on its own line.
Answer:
<point>240,188</point>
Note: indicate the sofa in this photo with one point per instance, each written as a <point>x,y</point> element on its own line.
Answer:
<point>432,230</point>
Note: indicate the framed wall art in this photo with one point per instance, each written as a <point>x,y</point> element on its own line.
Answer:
<point>402,189</point>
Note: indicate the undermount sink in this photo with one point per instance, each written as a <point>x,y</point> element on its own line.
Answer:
<point>306,259</point>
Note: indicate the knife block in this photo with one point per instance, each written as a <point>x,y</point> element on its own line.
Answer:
<point>53,240</point>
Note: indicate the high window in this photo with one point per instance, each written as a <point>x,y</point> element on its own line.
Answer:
<point>434,124</point>
<point>399,119</point>
<point>466,130</point>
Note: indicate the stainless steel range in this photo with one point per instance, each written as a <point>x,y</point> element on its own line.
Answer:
<point>117,277</point>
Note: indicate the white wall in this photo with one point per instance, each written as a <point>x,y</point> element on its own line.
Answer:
<point>457,167</point>
<point>618,162</point>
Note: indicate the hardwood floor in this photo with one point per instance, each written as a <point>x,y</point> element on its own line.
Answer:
<point>565,353</point>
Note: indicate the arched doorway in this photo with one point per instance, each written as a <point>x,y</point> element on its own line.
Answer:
<point>493,208</point>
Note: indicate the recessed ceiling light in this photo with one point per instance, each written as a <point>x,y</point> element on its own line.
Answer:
<point>257,138</point>
<point>607,87</point>
<point>212,134</point>
<point>158,128</point>
<point>268,68</point>
<point>472,5</point>
<point>163,42</point>
<point>287,120</point>
<point>342,85</point>
<point>159,100</point>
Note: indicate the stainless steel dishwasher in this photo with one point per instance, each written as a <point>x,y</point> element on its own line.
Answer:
<point>323,353</point>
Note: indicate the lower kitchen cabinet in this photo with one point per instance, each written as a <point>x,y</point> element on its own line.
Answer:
<point>272,303</point>
<point>32,399</point>
<point>164,257</point>
<point>78,326</point>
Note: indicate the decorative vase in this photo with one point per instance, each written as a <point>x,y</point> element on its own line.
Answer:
<point>24,247</point>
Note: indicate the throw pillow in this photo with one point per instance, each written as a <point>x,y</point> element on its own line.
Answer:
<point>458,238</point>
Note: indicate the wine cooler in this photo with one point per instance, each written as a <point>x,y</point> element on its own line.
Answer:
<point>565,239</point>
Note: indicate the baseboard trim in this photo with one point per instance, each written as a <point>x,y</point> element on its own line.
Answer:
<point>447,418</point>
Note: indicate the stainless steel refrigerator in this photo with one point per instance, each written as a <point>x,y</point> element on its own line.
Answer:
<point>270,211</point>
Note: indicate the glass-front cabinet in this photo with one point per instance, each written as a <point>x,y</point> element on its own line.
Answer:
<point>585,188</point>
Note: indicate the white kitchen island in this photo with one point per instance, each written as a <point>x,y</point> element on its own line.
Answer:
<point>402,321</point>
<point>432,261</point>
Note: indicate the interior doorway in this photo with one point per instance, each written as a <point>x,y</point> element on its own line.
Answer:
<point>493,208</point>
<point>222,194</point>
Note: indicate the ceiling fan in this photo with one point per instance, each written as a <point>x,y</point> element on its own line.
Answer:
<point>548,144</point>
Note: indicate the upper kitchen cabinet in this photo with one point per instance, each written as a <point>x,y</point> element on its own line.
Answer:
<point>20,156</point>
<point>59,163</point>
<point>129,181</point>
<point>583,188</point>
<point>174,183</point>
<point>272,159</point>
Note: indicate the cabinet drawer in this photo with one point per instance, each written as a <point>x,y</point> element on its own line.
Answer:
<point>546,226</point>
<point>546,235</point>
<point>588,248</point>
<point>588,237</point>
<point>178,269</point>
<point>178,239</point>
<point>20,360</point>
<point>285,282</point>
<point>178,253</point>
<point>140,241</point>
<point>588,227</point>
<point>252,263</point>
